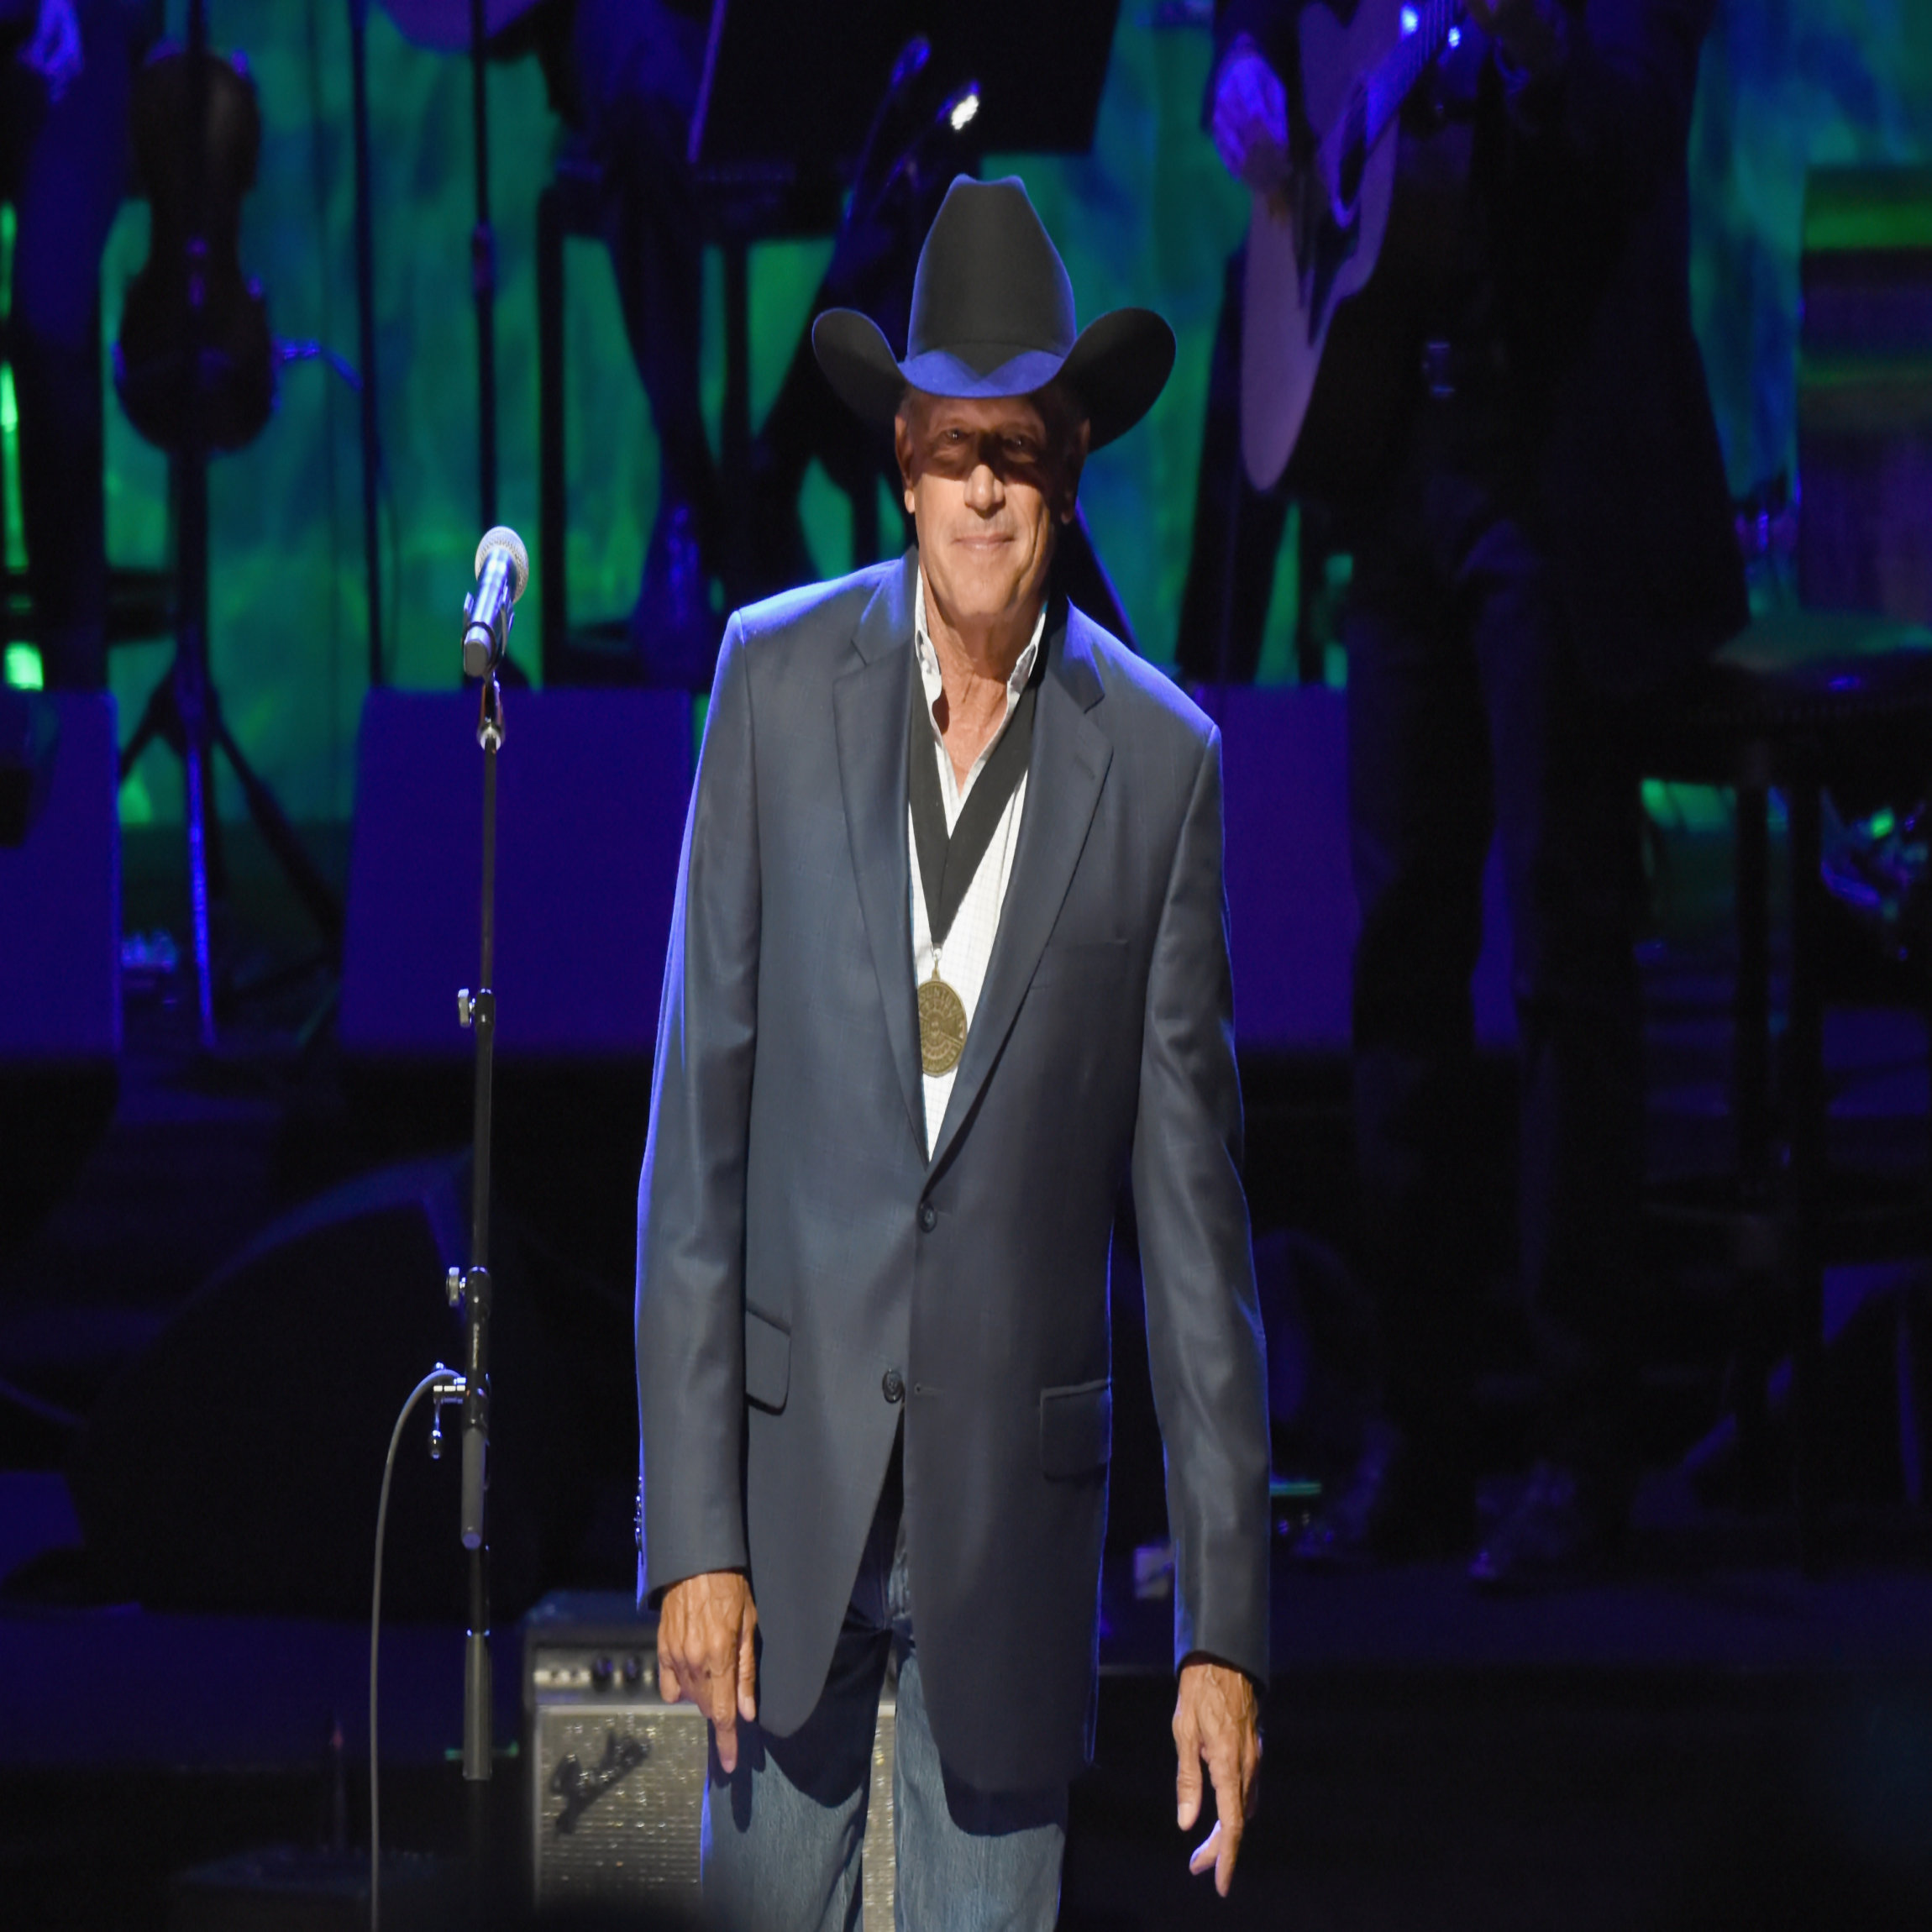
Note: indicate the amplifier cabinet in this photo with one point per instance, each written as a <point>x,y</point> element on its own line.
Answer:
<point>616,1775</point>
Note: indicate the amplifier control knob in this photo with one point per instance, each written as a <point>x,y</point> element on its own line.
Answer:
<point>634,1670</point>
<point>600,1673</point>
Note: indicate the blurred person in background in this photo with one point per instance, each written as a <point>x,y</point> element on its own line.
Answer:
<point>1544,530</point>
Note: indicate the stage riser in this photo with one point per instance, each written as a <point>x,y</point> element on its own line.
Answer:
<point>60,948</point>
<point>61,893</point>
<point>592,787</point>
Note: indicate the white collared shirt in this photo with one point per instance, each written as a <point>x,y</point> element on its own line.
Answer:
<point>968,945</point>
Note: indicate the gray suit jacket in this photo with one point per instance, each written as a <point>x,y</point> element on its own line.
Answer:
<point>796,1247</point>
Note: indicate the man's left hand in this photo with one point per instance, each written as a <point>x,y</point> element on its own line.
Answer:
<point>1217,1722</point>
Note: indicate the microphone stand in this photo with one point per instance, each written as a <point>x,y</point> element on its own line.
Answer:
<point>484,639</point>
<point>477,1010</point>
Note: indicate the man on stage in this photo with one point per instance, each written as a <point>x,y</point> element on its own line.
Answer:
<point>949,970</point>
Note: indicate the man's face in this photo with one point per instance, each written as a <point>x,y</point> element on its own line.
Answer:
<point>987,481</point>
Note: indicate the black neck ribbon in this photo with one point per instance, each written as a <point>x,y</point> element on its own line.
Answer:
<point>947,863</point>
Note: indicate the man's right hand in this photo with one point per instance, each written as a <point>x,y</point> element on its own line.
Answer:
<point>705,1627</point>
<point>1250,120</point>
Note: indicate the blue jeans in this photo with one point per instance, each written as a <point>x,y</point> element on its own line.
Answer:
<point>783,1834</point>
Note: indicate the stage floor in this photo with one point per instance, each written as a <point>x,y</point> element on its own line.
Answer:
<point>1707,1747</point>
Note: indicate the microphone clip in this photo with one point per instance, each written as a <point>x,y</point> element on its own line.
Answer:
<point>484,640</point>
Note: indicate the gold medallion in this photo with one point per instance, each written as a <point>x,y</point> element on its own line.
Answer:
<point>941,1026</point>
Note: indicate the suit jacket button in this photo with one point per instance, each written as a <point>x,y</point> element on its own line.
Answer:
<point>928,1217</point>
<point>892,1386</point>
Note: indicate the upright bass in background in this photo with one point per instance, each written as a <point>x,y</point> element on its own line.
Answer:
<point>191,290</point>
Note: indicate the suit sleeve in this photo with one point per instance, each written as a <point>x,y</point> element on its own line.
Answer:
<point>691,1195</point>
<point>1204,1326</point>
<point>1620,100</point>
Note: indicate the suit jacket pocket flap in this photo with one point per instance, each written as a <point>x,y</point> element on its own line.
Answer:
<point>1076,1428</point>
<point>767,1361</point>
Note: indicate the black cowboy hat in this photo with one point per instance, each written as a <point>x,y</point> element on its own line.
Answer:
<point>993,315</point>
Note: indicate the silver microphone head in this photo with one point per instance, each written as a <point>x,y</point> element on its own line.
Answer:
<point>502,570</point>
<point>505,539</point>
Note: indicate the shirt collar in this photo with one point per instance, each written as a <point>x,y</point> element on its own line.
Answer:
<point>929,658</point>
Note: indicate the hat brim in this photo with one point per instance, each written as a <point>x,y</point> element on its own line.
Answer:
<point>1117,368</point>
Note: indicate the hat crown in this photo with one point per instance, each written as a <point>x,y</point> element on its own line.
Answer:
<point>989,281</point>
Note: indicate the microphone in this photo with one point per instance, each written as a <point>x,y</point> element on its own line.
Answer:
<point>502,570</point>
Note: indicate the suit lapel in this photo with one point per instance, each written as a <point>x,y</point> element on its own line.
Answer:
<point>1065,775</point>
<point>870,704</point>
